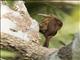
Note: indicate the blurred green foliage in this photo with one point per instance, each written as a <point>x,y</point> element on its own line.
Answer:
<point>7,54</point>
<point>10,3</point>
<point>67,13</point>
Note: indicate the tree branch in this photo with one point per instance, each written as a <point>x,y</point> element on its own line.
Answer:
<point>28,50</point>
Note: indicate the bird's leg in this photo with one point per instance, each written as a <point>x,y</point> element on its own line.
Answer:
<point>47,39</point>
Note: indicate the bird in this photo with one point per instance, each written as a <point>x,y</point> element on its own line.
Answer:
<point>49,28</point>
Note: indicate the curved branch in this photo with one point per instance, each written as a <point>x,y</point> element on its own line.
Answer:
<point>28,50</point>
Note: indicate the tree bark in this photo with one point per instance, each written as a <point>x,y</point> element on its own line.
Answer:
<point>26,50</point>
<point>30,50</point>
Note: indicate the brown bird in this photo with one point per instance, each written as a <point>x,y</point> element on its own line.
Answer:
<point>49,27</point>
